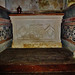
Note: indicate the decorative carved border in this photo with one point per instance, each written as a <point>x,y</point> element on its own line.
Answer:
<point>68,30</point>
<point>5,30</point>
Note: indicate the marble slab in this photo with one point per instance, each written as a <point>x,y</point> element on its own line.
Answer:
<point>36,31</point>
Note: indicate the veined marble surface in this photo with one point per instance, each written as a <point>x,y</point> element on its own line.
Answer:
<point>41,31</point>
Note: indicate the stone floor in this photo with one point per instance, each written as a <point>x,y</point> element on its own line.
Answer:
<point>37,61</point>
<point>36,56</point>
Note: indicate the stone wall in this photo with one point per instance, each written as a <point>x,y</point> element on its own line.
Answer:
<point>2,3</point>
<point>32,5</point>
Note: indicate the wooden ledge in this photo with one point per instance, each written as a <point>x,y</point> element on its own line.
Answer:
<point>35,14</point>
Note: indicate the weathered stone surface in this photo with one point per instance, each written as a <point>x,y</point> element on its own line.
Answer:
<point>2,3</point>
<point>36,56</point>
<point>37,31</point>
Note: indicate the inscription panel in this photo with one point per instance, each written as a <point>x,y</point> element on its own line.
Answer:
<point>36,31</point>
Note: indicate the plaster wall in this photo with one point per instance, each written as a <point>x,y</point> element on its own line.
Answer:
<point>33,5</point>
<point>2,3</point>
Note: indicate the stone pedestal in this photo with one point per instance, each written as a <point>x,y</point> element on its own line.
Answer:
<point>36,31</point>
